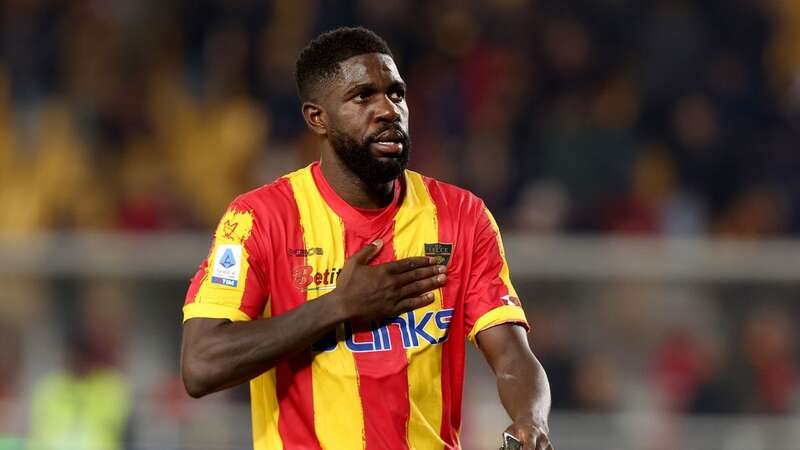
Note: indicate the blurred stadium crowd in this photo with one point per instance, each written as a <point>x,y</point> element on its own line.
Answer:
<point>660,117</point>
<point>707,349</point>
<point>621,116</point>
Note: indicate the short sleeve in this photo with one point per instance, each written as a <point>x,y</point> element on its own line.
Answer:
<point>230,283</point>
<point>491,299</point>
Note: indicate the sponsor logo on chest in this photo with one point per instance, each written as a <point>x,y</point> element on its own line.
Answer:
<point>417,329</point>
<point>306,278</point>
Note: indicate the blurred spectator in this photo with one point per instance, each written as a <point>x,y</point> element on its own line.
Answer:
<point>9,384</point>
<point>596,384</point>
<point>86,406</point>
<point>551,346</point>
<point>756,212</point>
<point>156,116</point>
<point>688,374</point>
<point>542,208</point>
<point>766,373</point>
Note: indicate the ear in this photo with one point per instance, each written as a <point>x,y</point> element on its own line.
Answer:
<point>315,118</point>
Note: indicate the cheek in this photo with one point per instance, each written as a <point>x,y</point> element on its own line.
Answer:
<point>404,112</point>
<point>350,118</point>
<point>342,123</point>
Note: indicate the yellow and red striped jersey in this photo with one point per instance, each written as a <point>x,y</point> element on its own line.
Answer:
<point>391,385</point>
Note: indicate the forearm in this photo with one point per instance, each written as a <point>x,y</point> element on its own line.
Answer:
<point>524,391</point>
<point>221,354</point>
<point>217,354</point>
<point>521,381</point>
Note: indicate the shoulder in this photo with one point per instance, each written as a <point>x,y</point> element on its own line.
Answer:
<point>263,213</point>
<point>451,197</point>
<point>273,200</point>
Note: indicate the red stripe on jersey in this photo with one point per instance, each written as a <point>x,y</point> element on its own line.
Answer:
<point>382,375</point>
<point>194,285</point>
<point>296,417</point>
<point>293,377</point>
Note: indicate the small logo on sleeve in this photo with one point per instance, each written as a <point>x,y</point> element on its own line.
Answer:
<point>227,265</point>
<point>511,300</point>
<point>228,229</point>
<point>441,252</point>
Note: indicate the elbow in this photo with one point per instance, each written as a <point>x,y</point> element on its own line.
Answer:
<point>203,370</point>
<point>194,388</point>
<point>194,384</point>
<point>199,377</point>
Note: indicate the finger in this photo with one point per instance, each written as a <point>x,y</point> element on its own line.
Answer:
<point>419,274</point>
<point>366,254</point>
<point>410,304</point>
<point>408,264</point>
<point>543,443</point>
<point>528,444</point>
<point>420,287</point>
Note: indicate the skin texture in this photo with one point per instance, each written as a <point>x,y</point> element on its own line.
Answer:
<point>521,383</point>
<point>367,96</point>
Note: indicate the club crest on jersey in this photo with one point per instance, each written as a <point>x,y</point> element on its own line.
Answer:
<point>440,251</point>
<point>227,265</point>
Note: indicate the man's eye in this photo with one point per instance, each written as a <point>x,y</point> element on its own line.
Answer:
<point>398,96</point>
<point>361,96</point>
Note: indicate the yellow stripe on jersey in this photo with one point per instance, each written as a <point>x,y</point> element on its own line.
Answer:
<point>212,311</point>
<point>338,414</point>
<point>216,299</point>
<point>415,225</point>
<point>265,411</point>
<point>497,316</point>
<point>505,274</point>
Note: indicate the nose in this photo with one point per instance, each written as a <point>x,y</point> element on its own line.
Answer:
<point>387,110</point>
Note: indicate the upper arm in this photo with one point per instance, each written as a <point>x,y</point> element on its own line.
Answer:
<point>194,329</point>
<point>231,283</point>
<point>490,297</point>
<point>194,368</point>
<point>504,345</point>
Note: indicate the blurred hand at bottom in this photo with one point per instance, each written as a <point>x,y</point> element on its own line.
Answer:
<point>532,436</point>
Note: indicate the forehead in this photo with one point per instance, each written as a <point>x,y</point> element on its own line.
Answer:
<point>367,68</point>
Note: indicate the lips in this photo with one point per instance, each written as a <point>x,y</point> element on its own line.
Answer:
<point>389,142</point>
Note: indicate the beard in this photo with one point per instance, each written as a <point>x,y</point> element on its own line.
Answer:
<point>358,157</point>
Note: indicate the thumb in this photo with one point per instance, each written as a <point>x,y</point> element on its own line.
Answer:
<point>366,254</point>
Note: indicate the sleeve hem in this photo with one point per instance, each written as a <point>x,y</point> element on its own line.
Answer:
<point>497,316</point>
<point>213,311</point>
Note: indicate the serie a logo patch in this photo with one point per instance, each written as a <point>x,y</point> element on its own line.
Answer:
<point>227,265</point>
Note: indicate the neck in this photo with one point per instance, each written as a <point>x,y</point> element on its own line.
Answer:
<point>350,187</point>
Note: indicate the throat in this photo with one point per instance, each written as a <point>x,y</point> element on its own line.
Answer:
<point>354,190</point>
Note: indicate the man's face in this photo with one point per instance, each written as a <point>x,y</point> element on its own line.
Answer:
<point>368,118</point>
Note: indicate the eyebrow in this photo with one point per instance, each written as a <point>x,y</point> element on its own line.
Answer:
<point>398,84</point>
<point>360,87</point>
<point>373,87</point>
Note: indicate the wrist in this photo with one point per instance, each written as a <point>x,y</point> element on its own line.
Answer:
<point>540,422</point>
<point>336,307</point>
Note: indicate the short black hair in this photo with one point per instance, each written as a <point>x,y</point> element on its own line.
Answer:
<point>319,60</point>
